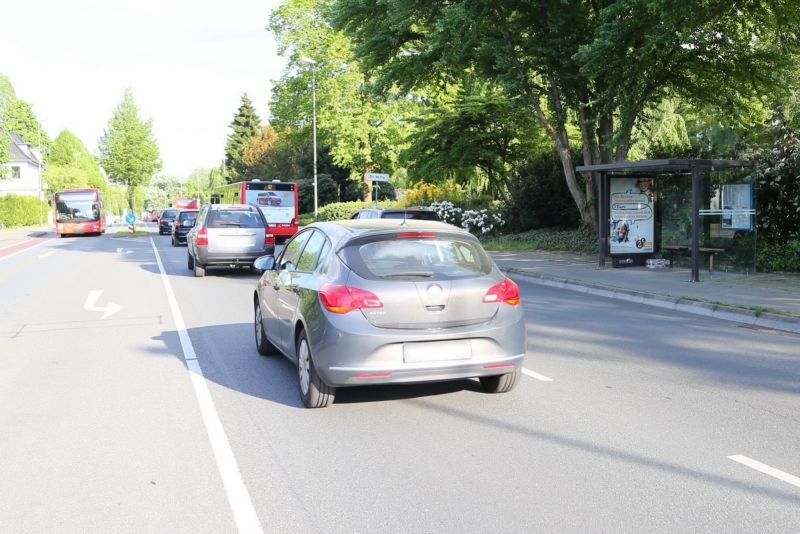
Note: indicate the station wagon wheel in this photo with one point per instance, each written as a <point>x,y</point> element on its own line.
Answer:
<point>189,260</point>
<point>501,383</point>
<point>263,345</point>
<point>314,392</point>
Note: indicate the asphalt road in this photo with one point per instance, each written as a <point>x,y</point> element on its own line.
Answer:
<point>626,419</point>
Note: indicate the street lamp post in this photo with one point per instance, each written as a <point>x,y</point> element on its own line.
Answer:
<point>309,61</point>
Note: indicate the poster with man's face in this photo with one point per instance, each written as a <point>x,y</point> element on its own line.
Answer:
<point>632,215</point>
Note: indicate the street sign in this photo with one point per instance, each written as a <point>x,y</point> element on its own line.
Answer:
<point>376,177</point>
<point>130,218</point>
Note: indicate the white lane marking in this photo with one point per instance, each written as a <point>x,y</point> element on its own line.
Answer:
<point>537,376</point>
<point>42,242</point>
<point>91,304</point>
<point>767,470</point>
<point>238,497</point>
<point>47,254</point>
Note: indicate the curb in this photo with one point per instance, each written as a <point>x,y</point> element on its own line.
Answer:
<point>725,312</point>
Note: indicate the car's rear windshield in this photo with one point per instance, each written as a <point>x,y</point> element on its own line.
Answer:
<point>169,213</point>
<point>235,218</point>
<point>187,215</point>
<point>404,256</point>
<point>421,215</point>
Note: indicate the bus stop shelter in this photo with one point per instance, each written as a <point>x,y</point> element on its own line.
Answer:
<point>657,169</point>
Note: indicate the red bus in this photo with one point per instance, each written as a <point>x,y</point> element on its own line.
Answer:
<point>276,199</point>
<point>186,204</point>
<point>79,211</point>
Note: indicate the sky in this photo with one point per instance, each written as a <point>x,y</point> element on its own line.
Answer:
<point>188,62</point>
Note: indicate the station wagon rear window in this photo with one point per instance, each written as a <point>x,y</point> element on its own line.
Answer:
<point>441,257</point>
<point>235,218</point>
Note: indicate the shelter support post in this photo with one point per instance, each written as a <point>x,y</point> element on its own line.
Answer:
<point>602,224</point>
<point>695,223</point>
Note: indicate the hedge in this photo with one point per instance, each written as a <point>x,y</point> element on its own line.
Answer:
<point>343,210</point>
<point>20,210</point>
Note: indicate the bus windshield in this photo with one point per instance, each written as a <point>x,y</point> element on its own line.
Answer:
<point>77,207</point>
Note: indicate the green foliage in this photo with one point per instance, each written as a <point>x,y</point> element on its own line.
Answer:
<point>343,210</point>
<point>162,190</point>
<point>71,165</point>
<point>540,197</point>
<point>246,126</point>
<point>20,118</point>
<point>128,149</point>
<point>5,153</point>
<point>362,129</point>
<point>20,210</point>
<point>580,240</point>
<point>7,94</point>
<point>778,195</point>
<point>481,129</point>
<point>778,257</point>
<point>424,194</point>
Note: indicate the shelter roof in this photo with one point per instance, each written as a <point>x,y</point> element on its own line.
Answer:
<point>667,165</point>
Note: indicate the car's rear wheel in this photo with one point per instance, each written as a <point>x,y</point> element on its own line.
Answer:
<point>501,383</point>
<point>314,392</point>
<point>189,260</point>
<point>264,346</point>
<point>199,270</point>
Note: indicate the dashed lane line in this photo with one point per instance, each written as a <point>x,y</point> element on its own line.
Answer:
<point>535,375</point>
<point>767,470</point>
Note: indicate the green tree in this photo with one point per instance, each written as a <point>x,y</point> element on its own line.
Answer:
<point>21,119</point>
<point>364,130</point>
<point>7,94</point>
<point>586,71</point>
<point>128,149</point>
<point>246,126</point>
<point>71,165</point>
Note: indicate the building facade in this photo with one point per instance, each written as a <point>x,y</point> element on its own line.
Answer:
<point>25,168</point>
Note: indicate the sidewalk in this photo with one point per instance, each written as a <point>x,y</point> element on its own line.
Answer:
<point>764,300</point>
<point>12,236</point>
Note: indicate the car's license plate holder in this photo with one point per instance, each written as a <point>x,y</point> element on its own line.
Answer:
<point>437,351</point>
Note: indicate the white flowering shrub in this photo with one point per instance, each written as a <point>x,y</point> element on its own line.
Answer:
<point>479,222</point>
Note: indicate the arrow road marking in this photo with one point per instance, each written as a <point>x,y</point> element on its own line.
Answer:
<point>535,375</point>
<point>91,304</point>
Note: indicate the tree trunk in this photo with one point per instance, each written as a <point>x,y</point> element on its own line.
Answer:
<point>369,167</point>
<point>132,198</point>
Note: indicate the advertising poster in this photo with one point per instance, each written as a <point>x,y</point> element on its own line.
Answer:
<point>737,207</point>
<point>632,215</point>
<point>277,206</point>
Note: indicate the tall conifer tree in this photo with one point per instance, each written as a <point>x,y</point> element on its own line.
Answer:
<point>245,125</point>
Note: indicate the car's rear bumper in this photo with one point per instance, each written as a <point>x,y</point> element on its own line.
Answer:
<point>351,353</point>
<point>231,258</point>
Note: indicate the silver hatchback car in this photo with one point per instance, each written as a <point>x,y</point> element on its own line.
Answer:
<point>385,301</point>
<point>227,235</point>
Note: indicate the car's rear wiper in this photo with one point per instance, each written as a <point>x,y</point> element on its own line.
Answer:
<point>229,224</point>
<point>421,274</point>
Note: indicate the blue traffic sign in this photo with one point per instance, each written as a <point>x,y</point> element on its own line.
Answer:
<point>130,218</point>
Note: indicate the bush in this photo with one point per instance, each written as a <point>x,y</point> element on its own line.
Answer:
<point>20,210</point>
<point>779,257</point>
<point>481,221</point>
<point>580,240</point>
<point>342,210</point>
<point>423,194</point>
<point>540,197</point>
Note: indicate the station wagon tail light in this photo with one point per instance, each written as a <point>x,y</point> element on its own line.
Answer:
<point>202,237</point>
<point>410,235</point>
<point>269,239</point>
<point>506,291</point>
<point>344,299</point>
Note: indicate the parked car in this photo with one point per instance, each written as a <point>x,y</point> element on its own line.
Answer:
<point>230,235</point>
<point>426,214</point>
<point>183,223</point>
<point>165,221</point>
<point>154,215</point>
<point>384,301</point>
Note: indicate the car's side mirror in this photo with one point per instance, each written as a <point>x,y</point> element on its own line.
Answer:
<point>265,263</point>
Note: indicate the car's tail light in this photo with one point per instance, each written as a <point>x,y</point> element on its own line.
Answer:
<point>269,239</point>
<point>202,237</point>
<point>409,235</point>
<point>506,291</point>
<point>177,224</point>
<point>344,299</point>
